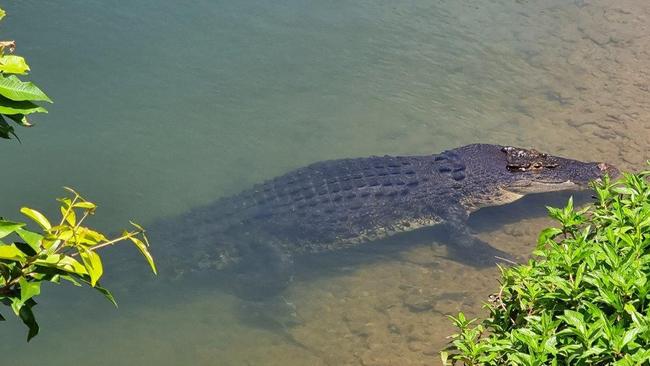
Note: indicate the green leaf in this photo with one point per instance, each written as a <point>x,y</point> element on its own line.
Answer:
<point>11,252</point>
<point>38,217</point>
<point>569,206</point>
<point>62,262</point>
<point>14,89</point>
<point>25,248</point>
<point>2,14</point>
<point>624,190</point>
<point>8,107</point>
<point>8,227</point>
<point>85,205</point>
<point>87,236</point>
<point>69,216</point>
<point>70,264</point>
<point>6,130</point>
<point>70,279</point>
<point>28,289</point>
<point>12,64</point>
<point>27,316</point>
<point>31,238</point>
<point>548,233</point>
<point>107,294</point>
<point>145,252</point>
<point>629,336</point>
<point>93,264</point>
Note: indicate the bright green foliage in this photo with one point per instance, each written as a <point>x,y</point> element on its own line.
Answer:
<point>583,300</point>
<point>17,98</point>
<point>64,250</point>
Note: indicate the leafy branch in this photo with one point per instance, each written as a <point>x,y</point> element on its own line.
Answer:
<point>51,255</point>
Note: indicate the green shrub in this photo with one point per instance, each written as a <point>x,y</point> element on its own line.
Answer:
<point>584,297</point>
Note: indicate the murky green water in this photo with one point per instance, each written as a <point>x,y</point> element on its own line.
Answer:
<point>162,106</point>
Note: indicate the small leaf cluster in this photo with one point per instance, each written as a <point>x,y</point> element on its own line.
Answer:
<point>65,251</point>
<point>17,98</point>
<point>584,298</point>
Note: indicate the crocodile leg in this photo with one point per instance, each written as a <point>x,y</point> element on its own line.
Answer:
<point>265,271</point>
<point>465,247</point>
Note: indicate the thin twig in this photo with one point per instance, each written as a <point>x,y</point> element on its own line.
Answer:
<point>110,242</point>
<point>67,212</point>
<point>502,305</point>
<point>506,260</point>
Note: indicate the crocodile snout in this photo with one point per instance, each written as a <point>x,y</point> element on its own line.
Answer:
<point>609,169</point>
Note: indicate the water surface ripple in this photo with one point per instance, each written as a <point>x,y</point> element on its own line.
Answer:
<point>162,106</point>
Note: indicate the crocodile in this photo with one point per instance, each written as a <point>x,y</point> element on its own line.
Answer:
<point>336,204</point>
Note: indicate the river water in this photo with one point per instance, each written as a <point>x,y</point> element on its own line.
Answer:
<point>161,107</point>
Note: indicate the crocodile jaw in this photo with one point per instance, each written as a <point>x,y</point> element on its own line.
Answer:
<point>502,197</point>
<point>514,192</point>
<point>524,187</point>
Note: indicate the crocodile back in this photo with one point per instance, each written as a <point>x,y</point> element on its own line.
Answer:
<point>341,202</point>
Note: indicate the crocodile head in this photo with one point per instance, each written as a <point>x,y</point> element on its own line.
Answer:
<point>515,172</point>
<point>531,171</point>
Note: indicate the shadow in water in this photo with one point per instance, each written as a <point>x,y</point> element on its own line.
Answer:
<point>276,313</point>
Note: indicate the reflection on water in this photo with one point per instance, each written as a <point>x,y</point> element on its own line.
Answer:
<point>162,107</point>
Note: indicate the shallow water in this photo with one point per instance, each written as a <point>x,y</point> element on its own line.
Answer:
<point>162,107</point>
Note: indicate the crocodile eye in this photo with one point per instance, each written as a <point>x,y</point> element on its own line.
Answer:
<point>537,166</point>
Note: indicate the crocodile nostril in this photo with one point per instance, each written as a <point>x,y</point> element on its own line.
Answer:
<point>609,169</point>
